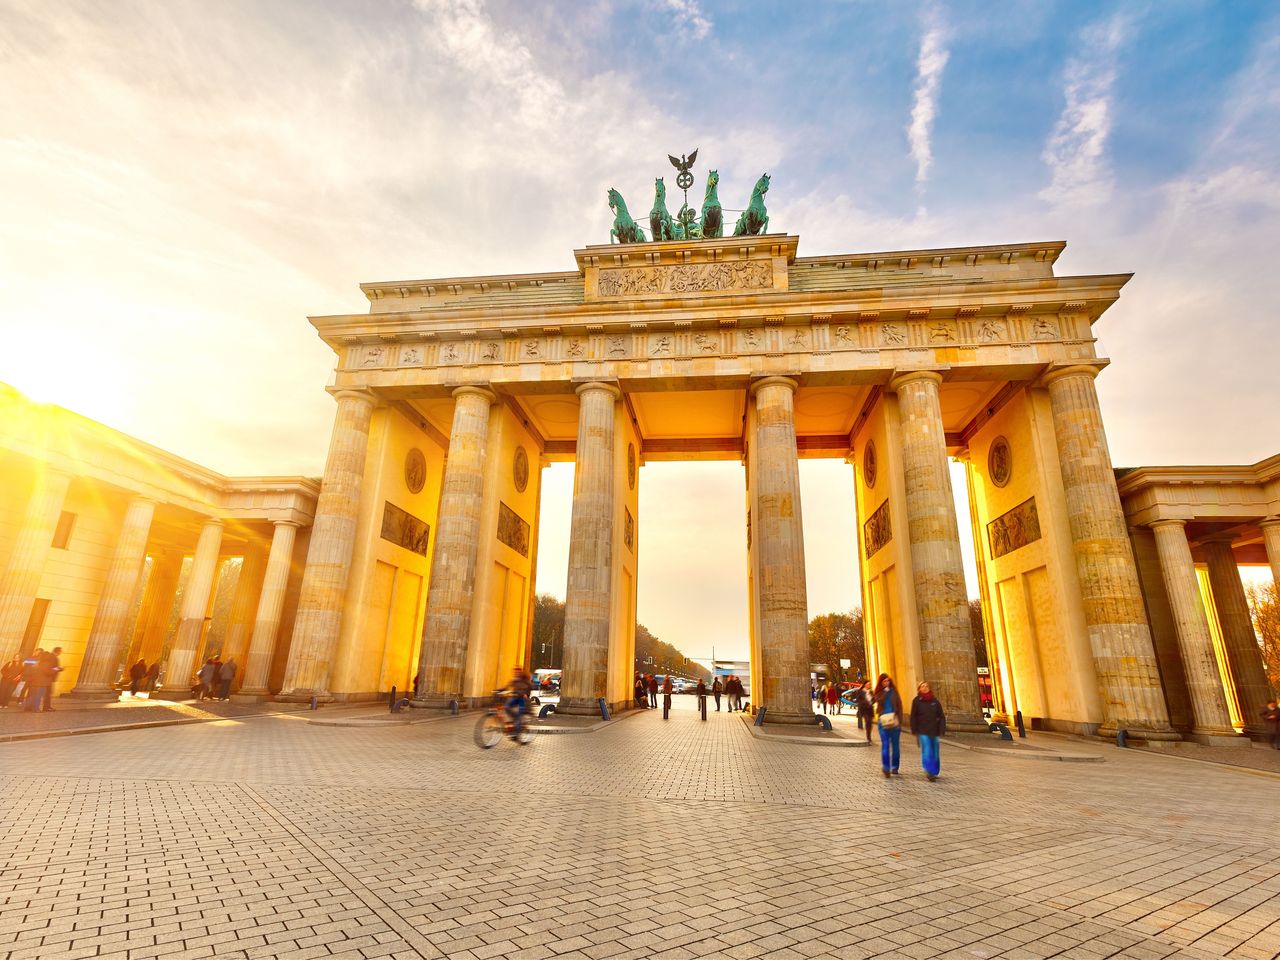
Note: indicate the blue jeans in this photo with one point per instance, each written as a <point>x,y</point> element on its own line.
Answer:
<point>516,707</point>
<point>890,747</point>
<point>930,757</point>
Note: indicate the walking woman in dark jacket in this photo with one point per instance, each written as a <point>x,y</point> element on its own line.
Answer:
<point>928,723</point>
<point>889,719</point>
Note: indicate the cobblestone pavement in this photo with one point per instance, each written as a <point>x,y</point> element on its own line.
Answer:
<point>70,715</point>
<point>274,837</point>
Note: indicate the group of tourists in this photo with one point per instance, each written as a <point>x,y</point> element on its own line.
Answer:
<point>213,680</point>
<point>30,681</point>
<point>143,678</point>
<point>732,689</point>
<point>828,695</point>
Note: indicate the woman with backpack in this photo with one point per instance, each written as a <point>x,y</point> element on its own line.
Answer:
<point>889,720</point>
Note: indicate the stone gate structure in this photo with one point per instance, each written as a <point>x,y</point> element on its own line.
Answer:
<point>453,392</point>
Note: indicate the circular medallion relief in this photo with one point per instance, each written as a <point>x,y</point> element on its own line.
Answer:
<point>520,469</point>
<point>631,465</point>
<point>869,464</point>
<point>415,470</point>
<point>999,462</point>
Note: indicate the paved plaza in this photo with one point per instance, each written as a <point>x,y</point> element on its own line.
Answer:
<point>274,837</point>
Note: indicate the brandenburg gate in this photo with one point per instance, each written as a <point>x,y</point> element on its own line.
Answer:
<point>453,393</point>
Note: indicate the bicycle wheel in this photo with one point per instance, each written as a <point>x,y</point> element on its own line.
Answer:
<point>488,731</point>
<point>526,733</point>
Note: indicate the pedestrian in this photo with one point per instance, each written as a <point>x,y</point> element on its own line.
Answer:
<point>716,690</point>
<point>1271,717</point>
<point>10,677</point>
<point>865,706</point>
<point>928,723</point>
<point>653,690</point>
<point>137,673</point>
<point>153,677</point>
<point>641,694</point>
<point>813,695</point>
<point>44,674</point>
<point>889,720</point>
<point>833,698</point>
<point>30,668</point>
<point>204,680</point>
<point>226,673</point>
<point>701,691</point>
<point>739,691</point>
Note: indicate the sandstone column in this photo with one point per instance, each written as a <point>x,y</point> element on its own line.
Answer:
<point>1271,540</point>
<point>1204,682</point>
<point>180,667</point>
<point>447,625</point>
<point>779,535</point>
<point>588,599</point>
<point>25,564</point>
<point>266,624</point>
<point>942,605</point>
<point>333,539</point>
<point>107,636</point>
<point>1123,654</point>
<point>1244,656</point>
<point>248,587</point>
<point>157,604</point>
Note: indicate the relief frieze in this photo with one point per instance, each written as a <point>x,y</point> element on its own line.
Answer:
<point>513,530</point>
<point>877,531</point>
<point>1017,528</point>
<point>686,278</point>
<point>404,529</point>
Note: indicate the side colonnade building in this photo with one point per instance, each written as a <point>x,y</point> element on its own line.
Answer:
<point>112,550</point>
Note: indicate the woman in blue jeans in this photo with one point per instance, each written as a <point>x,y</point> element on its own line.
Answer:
<point>889,721</point>
<point>928,723</point>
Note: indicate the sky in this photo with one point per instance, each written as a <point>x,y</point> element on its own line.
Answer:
<point>183,183</point>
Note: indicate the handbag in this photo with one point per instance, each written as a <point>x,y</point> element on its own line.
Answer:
<point>889,720</point>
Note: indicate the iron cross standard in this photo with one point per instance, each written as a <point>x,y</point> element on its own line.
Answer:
<point>684,180</point>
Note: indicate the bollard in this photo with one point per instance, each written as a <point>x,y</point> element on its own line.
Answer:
<point>1122,738</point>
<point>453,707</point>
<point>394,709</point>
<point>546,709</point>
<point>666,705</point>
<point>760,716</point>
<point>822,720</point>
<point>704,708</point>
<point>1017,719</point>
<point>314,703</point>
<point>604,708</point>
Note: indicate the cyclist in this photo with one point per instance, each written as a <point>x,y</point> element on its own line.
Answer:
<point>518,691</point>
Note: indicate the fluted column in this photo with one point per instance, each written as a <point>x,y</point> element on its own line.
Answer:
<point>266,623</point>
<point>180,666</point>
<point>25,564</point>
<point>588,599</point>
<point>779,537</point>
<point>333,540</point>
<point>1271,541</point>
<point>107,637</point>
<point>243,606</point>
<point>942,605</point>
<point>1123,654</point>
<point>447,626</point>
<point>1244,656</point>
<point>157,604</point>
<point>1204,682</point>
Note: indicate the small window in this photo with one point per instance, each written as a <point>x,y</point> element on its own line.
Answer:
<point>62,536</point>
<point>35,626</point>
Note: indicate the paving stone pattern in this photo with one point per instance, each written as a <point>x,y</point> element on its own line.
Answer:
<point>274,837</point>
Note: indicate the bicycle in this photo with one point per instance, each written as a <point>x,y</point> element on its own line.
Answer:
<point>496,723</point>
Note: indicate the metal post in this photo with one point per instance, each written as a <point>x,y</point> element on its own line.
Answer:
<point>760,717</point>
<point>666,705</point>
<point>1017,719</point>
<point>393,699</point>
<point>702,702</point>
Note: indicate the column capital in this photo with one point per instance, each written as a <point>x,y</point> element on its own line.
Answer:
<point>901,378</point>
<point>1167,522</point>
<point>1269,523</point>
<point>582,388</point>
<point>355,393</point>
<point>286,523</point>
<point>789,382</point>
<point>212,522</point>
<point>474,390</point>
<point>1061,372</point>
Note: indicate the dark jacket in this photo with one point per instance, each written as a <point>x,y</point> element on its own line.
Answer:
<point>927,718</point>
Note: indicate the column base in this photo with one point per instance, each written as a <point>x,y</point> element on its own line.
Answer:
<point>303,696</point>
<point>579,707</point>
<point>969,724</point>
<point>1109,729</point>
<point>808,718</point>
<point>251,696</point>
<point>102,693</point>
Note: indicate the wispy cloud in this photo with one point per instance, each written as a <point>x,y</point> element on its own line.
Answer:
<point>1075,151</point>
<point>689,14</point>
<point>929,66</point>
